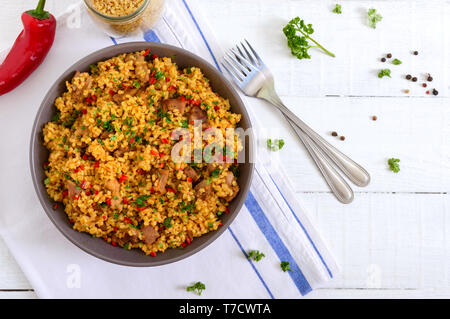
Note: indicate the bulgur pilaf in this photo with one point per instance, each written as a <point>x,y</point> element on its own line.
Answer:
<point>110,158</point>
<point>117,8</point>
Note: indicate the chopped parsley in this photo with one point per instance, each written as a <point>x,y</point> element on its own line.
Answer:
<point>136,84</point>
<point>374,18</point>
<point>285,266</point>
<point>168,222</point>
<point>215,173</point>
<point>384,72</point>
<point>393,165</point>
<point>198,288</point>
<point>47,181</point>
<point>275,145</point>
<point>338,9</point>
<point>141,201</point>
<point>256,255</point>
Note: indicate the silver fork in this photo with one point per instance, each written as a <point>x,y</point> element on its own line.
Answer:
<point>254,78</point>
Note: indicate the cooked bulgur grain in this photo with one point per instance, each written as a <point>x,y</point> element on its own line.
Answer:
<point>110,145</point>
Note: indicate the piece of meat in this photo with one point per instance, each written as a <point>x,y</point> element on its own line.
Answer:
<point>118,98</point>
<point>104,135</point>
<point>197,114</point>
<point>72,189</point>
<point>114,186</point>
<point>163,177</point>
<point>174,104</point>
<point>190,172</point>
<point>203,189</point>
<point>80,83</point>
<point>127,238</point>
<point>235,188</point>
<point>142,71</point>
<point>150,234</point>
<point>120,151</point>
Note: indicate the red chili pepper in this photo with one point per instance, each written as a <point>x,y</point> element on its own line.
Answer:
<point>161,154</point>
<point>88,193</point>
<point>115,229</point>
<point>111,92</point>
<point>183,245</point>
<point>146,52</point>
<point>104,217</point>
<point>125,201</point>
<point>152,190</point>
<point>140,209</point>
<point>55,207</point>
<point>189,179</point>
<point>76,197</point>
<point>227,210</point>
<point>216,108</point>
<point>84,157</point>
<point>97,164</point>
<point>172,88</point>
<point>169,189</point>
<point>84,111</point>
<point>152,80</point>
<point>30,49</point>
<point>114,243</point>
<point>167,79</point>
<point>131,140</point>
<point>165,141</point>
<point>154,56</point>
<point>153,254</point>
<point>161,165</point>
<point>96,192</point>
<point>127,220</point>
<point>64,194</point>
<point>83,184</point>
<point>140,171</point>
<point>182,98</point>
<point>154,152</point>
<point>108,201</point>
<point>122,178</point>
<point>188,241</point>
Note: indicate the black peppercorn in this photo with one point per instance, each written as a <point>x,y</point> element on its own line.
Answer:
<point>389,55</point>
<point>416,53</point>
<point>435,92</point>
<point>334,134</point>
<point>383,59</point>
<point>414,79</point>
<point>342,138</point>
<point>408,77</point>
<point>429,78</point>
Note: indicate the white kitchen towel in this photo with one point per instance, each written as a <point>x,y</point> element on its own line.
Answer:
<point>272,220</point>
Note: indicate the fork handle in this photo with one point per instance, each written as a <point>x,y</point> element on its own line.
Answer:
<point>358,175</point>
<point>337,184</point>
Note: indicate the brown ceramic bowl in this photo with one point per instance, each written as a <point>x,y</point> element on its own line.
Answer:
<point>39,155</point>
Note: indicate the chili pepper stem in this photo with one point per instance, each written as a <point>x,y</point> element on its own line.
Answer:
<point>40,7</point>
<point>39,12</point>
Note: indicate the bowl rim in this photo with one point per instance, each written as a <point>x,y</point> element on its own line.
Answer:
<point>129,47</point>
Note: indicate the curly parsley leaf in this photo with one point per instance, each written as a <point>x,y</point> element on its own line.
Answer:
<point>384,72</point>
<point>275,145</point>
<point>338,9</point>
<point>299,42</point>
<point>198,288</point>
<point>256,255</point>
<point>285,266</point>
<point>374,18</point>
<point>393,165</point>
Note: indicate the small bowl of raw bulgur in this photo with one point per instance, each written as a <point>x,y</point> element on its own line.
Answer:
<point>122,17</point>
<point>102,156</point>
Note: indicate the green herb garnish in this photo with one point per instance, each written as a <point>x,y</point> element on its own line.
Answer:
<point>384,72</point>
<point>198,288</point>
<point>374,18</point>
<point>285,266</point>
<point>393,165</point>
<point>141,201</point>
<point>338,9</point>
<point>396,62</point>
<point>299,43</point>
<point>275,145</point>
<point>168,222</point>
<point>215,173</point>
<point>256,255</point>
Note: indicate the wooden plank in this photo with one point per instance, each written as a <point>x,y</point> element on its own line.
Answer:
<point>414,130</point>
<point>11,276</point>
<point>358,47</point>
<point>386,241</point>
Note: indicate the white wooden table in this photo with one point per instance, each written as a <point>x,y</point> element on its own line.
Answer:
<point>393,240</point>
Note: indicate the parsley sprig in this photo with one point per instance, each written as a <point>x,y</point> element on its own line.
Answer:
<point>275,145</point>
<point>374,18</point>
<point>384,72</point>
<point>285,266</point>
<point>338,9</point>
<point>299,42</point>
<point>393,165</point>
<point>256,255</point>
<point>198,288</point>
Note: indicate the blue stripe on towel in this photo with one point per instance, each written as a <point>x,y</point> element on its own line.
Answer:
<point>277,244</point>
<point>150,36</point>
<point>113,40</point>
<point>203,36</point>
<point>304,229</point>
<point>251,263</point>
